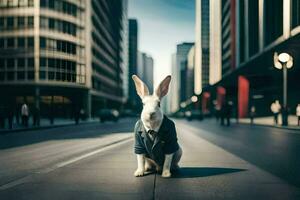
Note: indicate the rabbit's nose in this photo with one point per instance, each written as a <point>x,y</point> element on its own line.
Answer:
<point>152,114</point>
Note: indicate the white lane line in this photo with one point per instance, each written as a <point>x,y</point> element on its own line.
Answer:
<point>65,163</point>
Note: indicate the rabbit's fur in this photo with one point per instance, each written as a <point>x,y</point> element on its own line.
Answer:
<point>152,118</point>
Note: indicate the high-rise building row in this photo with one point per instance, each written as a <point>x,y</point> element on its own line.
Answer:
<point>64,53</point>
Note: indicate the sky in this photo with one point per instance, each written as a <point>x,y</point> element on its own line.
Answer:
<point>162,24</point>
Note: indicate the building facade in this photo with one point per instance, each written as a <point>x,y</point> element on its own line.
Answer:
<point>182,51</point>
<point>132,61</point>
<point>202,41</point>
<point>190,73</point>
<point>251,32</point>
<point>215,59</point>
<point>145,69</point>
<point>60,55</point>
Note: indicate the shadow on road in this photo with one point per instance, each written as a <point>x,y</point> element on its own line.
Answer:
<point>81,131</point>
<point>194,172</point>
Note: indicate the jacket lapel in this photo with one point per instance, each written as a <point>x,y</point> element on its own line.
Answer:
<point>146,140</point>
<point>159,133</point>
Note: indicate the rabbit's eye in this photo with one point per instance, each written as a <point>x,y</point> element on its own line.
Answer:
<point>158,104</point>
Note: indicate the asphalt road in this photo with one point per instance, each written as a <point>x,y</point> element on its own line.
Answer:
<point>96,161</point>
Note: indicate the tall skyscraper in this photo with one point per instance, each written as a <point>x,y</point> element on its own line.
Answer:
<point>181,62</point>
<point>132,60</point>
<point>178,72</point>
<point>215,59</point>
<point>202,42</point>
<point>190,73</point>
<point>62,52</point>
<point>145,69</point>
<point>124,52</point>
<point>173,99</point>
<point>228,36</point>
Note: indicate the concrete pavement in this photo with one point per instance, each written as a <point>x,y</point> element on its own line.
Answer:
<point>269,121</point>
<point>208,171</point>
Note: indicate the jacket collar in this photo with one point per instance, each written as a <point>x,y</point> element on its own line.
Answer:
<point>163,127</point>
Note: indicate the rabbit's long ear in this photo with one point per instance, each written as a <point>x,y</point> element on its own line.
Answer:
<point>163,87</point>
<point>141,88</point>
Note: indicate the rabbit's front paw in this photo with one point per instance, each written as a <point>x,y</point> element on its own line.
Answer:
<point>139,172</point>
<point>166,174</point>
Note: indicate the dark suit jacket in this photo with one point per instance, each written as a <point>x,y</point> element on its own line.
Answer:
<point>165,141</point>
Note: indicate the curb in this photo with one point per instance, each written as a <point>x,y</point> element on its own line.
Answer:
<point>41,127</point>
<point>271,126</point>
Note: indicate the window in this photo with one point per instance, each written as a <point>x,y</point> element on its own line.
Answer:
<point>21,22</point>
<point>2,23</point>
<point>21,75</point>
<point>3,3</point>
<point>295,13</point>
<point>43,3</point>
<point>30,42</point>
<point>30,22</point>
<point>51,75</point>
<point>44,22</point>
<point>51,23</point>
<point>51,63</point>
<point>2,43</point>
<point>22,3</point>
<point>21,42</point>
<point>21,62</point>
<point>10,76</point>
<point>11,42</point>
<point>30,75</point>
<point>10,63</point>
<point>30,3</point>
<point>2,64</point>
<point>30,63</point>
<point>273,20</point>
<point>42,75</point>
<point>12,3</point>
<point>10,22</point>
<point>43,42</point>
<point>2,76</point>
<point>43,62</point>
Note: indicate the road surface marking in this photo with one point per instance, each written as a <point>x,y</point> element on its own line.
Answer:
<point>65,163</point>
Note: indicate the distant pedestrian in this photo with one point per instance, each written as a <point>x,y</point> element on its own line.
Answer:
<point>298,114</point>
<point>252,114</point>
<point>36,116</point>
<point>10,116</point>
<point>226,110</point>
<point>217,112</point>
<point>2,116</point>
<point>275,108</point>
<point>25,114</point>
<point>76,114</point>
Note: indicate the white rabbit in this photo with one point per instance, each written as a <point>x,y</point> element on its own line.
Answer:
<point>155,135</point>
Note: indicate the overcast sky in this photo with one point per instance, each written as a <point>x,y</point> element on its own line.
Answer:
<point>162,24</point>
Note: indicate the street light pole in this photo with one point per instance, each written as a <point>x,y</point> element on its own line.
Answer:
<point>284,85</point>
<point>284,108</point>
<point>283,61</point>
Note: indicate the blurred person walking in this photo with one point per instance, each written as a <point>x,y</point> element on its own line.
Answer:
<point>275,108</point>
<point>25,114</point>
<point>298,114</point>
<point>2,116</point>
<point>252,114</point>
<point>36,116</point>
<point>226,110</point>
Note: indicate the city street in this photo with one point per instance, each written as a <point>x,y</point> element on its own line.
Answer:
<point>96,161</point>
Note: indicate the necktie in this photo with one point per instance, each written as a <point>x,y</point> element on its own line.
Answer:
<point>152,132</point>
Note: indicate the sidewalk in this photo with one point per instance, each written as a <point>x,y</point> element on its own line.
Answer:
<point>44,123</point>
<point>269,121</point>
